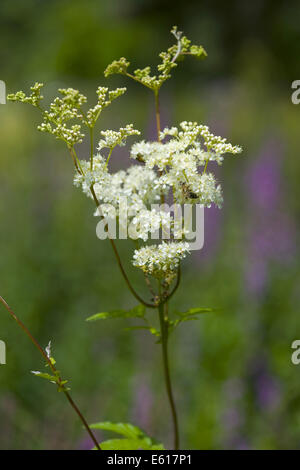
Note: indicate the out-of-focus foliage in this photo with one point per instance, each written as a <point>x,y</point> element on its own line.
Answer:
<point>235,384</point>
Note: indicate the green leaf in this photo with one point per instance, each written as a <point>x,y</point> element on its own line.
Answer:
<point>135,438</point>
<point>136,312</point>
<point>129,444</point>
<point>152,330</point>
<point>43,375</point>
<point>125,429</point>
<point>105,315</point>
<point>157,447</point>
<point>191,314</point>
<point>195,311</point>
<point>122,444</point>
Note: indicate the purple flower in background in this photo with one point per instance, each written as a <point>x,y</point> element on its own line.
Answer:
<point>266,386</point>
<point>212,227</point>
<point>86,444</point>
<point>143,402</point>
<point>241,444</point>
<point>268,392</point>
<point>271,235</point>
<point>232,418</point>
<point>264,179</point>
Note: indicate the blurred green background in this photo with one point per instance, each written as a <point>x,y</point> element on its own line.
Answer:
<point>235,384</point>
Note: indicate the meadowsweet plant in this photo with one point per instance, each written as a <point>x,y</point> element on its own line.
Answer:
<point>173,168</point>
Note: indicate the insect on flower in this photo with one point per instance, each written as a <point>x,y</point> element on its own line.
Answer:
<point>187,192</point>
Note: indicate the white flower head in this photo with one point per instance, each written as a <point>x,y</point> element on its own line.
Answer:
<point>98,176</point>
<point>114,138</point>
<point>160,260</point>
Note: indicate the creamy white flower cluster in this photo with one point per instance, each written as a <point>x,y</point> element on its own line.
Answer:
<point>176,165</point>
<point>179,160</point>
<point>136,183</point>
<point>160,260</point>
<point>114,138</point>
<point>193,139</point>
<point>200,189</point>
<point>98,175</point>
<point>134,187</point>
<point>149,221</point>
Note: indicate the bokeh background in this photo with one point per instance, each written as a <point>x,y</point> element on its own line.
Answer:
<point>235,384</point>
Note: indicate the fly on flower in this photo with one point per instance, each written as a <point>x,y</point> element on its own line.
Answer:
<point>187,192</point>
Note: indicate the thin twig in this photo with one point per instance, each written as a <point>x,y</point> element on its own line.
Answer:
<point>53,368</point>
<point>148,282</point>
<point>176,285</point>
<point>126,278</point>
<point>74,160</point>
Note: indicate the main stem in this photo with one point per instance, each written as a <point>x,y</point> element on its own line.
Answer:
<point>157,114</point>
<point>164,327</point>
<point>45,356</point>
<point>164,342</point>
